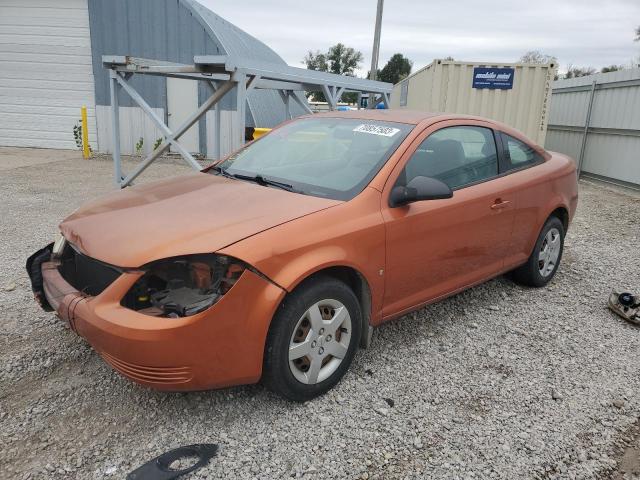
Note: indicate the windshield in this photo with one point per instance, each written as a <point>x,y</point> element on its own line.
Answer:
<point>326,157</point>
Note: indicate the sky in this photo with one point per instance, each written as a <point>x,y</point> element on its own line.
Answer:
<point>579,32</point>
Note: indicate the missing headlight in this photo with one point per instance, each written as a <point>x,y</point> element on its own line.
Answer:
<point>183,286</point>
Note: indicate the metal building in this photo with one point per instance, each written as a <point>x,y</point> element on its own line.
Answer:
<point>596,120</point>
<point>514,93</point>
<point>45,72</point>
<point>51,64</point>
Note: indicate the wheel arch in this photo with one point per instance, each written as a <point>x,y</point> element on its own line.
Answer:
<point>357,282</point>
<point>562,213</point>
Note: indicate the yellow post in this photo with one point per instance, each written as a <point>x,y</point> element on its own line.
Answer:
<point>85,133</point>
<point>258,132</point>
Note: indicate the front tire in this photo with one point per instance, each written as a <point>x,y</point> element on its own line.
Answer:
<point>545,258</point>
<point>312,340</point>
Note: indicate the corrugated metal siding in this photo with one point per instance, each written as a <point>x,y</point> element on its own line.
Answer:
<point>134,124</point>
<point>445,86</point>
<point>45,72</point>
<point>614,154</point>
<point>162,30</point>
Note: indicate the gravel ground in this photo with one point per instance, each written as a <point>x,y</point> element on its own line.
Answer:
<point>497,382</point>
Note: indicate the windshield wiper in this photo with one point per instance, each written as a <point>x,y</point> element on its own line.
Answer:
<point>260,180</point>
<point>222,171</point>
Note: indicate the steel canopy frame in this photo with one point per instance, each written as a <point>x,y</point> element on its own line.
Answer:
<point>222,74</point>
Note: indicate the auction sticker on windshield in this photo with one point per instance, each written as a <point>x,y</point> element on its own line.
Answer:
<point>377,130</point>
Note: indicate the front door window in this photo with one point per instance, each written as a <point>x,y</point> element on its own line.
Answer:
<point>458,156</point>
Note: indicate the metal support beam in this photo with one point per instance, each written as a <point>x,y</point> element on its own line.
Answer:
<point>261,83</point>
<point>585,133</point>
<point>218,131</point>
<point>241,105</point>
<point>284,95</point>
<point>385,100</point>
<point>253,82</point>
<point>172,137</point>
<point>115,128</point>
<point>304,105</point>
<point>222,73</point>
<point>329,95</point>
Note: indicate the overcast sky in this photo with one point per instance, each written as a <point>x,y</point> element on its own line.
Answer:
<point>579,32</point>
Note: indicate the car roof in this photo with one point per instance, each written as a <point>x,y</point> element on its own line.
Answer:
<point>412,117</point>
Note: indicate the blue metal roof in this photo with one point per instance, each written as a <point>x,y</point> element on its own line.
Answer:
<point>176,31</point>
<point>265,106</point>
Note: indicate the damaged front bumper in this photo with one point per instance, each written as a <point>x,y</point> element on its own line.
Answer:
<point>34,270</point>
<point>218,347</point>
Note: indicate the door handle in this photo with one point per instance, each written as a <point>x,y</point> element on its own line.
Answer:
<point>499,203</point>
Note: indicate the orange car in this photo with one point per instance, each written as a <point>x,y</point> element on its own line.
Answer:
<point>277,262</point>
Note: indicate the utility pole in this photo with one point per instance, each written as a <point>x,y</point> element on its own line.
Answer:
<point>375,52</point>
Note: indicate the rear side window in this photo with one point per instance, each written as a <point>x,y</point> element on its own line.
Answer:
<point>457,156</point>
<point>520,154</point>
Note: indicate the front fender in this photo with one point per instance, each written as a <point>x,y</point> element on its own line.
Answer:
<point>349,235</point>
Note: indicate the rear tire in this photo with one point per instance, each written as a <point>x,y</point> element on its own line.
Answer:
<point>312,339</point>
<point>545,258</point>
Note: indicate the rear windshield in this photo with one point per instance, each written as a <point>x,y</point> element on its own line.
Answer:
<point>325,157</point>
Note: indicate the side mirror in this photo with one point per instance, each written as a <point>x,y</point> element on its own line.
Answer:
<point>419,188</point>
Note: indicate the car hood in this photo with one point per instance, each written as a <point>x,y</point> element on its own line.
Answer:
<point>195,213</point>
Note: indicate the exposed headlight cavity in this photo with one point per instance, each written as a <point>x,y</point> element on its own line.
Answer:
<point>183,286</point>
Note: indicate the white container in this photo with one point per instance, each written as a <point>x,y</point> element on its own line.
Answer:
<point>448,86</point>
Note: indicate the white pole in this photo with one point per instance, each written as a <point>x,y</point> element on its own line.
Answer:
<point>376,51</point>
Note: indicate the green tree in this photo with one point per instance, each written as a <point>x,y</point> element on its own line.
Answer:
<point>397,68</point>
<point>316,61</point>
<point>343,60</point>
<point>339,59</point>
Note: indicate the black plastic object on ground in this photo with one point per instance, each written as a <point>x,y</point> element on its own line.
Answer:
<point>626,305</point>
<point>160,467</point>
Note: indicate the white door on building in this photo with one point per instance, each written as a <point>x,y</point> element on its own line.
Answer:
<point>46,72</point>
<point>182,102</point>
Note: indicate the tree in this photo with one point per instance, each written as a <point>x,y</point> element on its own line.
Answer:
<point>575,72</point>
<point>611,68</point>
<point>339,59</point>
<point>397,68</point>
<point>534,56</point>
<point>343,60</point>
<point>637,39</point>
<point>449,58</point>
<point>316,61</point>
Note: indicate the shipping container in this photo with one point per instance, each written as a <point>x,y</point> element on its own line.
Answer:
<point>516,94</point>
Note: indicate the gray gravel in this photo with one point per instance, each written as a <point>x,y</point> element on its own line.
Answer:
<point>497,382</point>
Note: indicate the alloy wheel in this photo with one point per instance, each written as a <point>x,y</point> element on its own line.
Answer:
<point>549,252</point>
<point>320,341</point>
